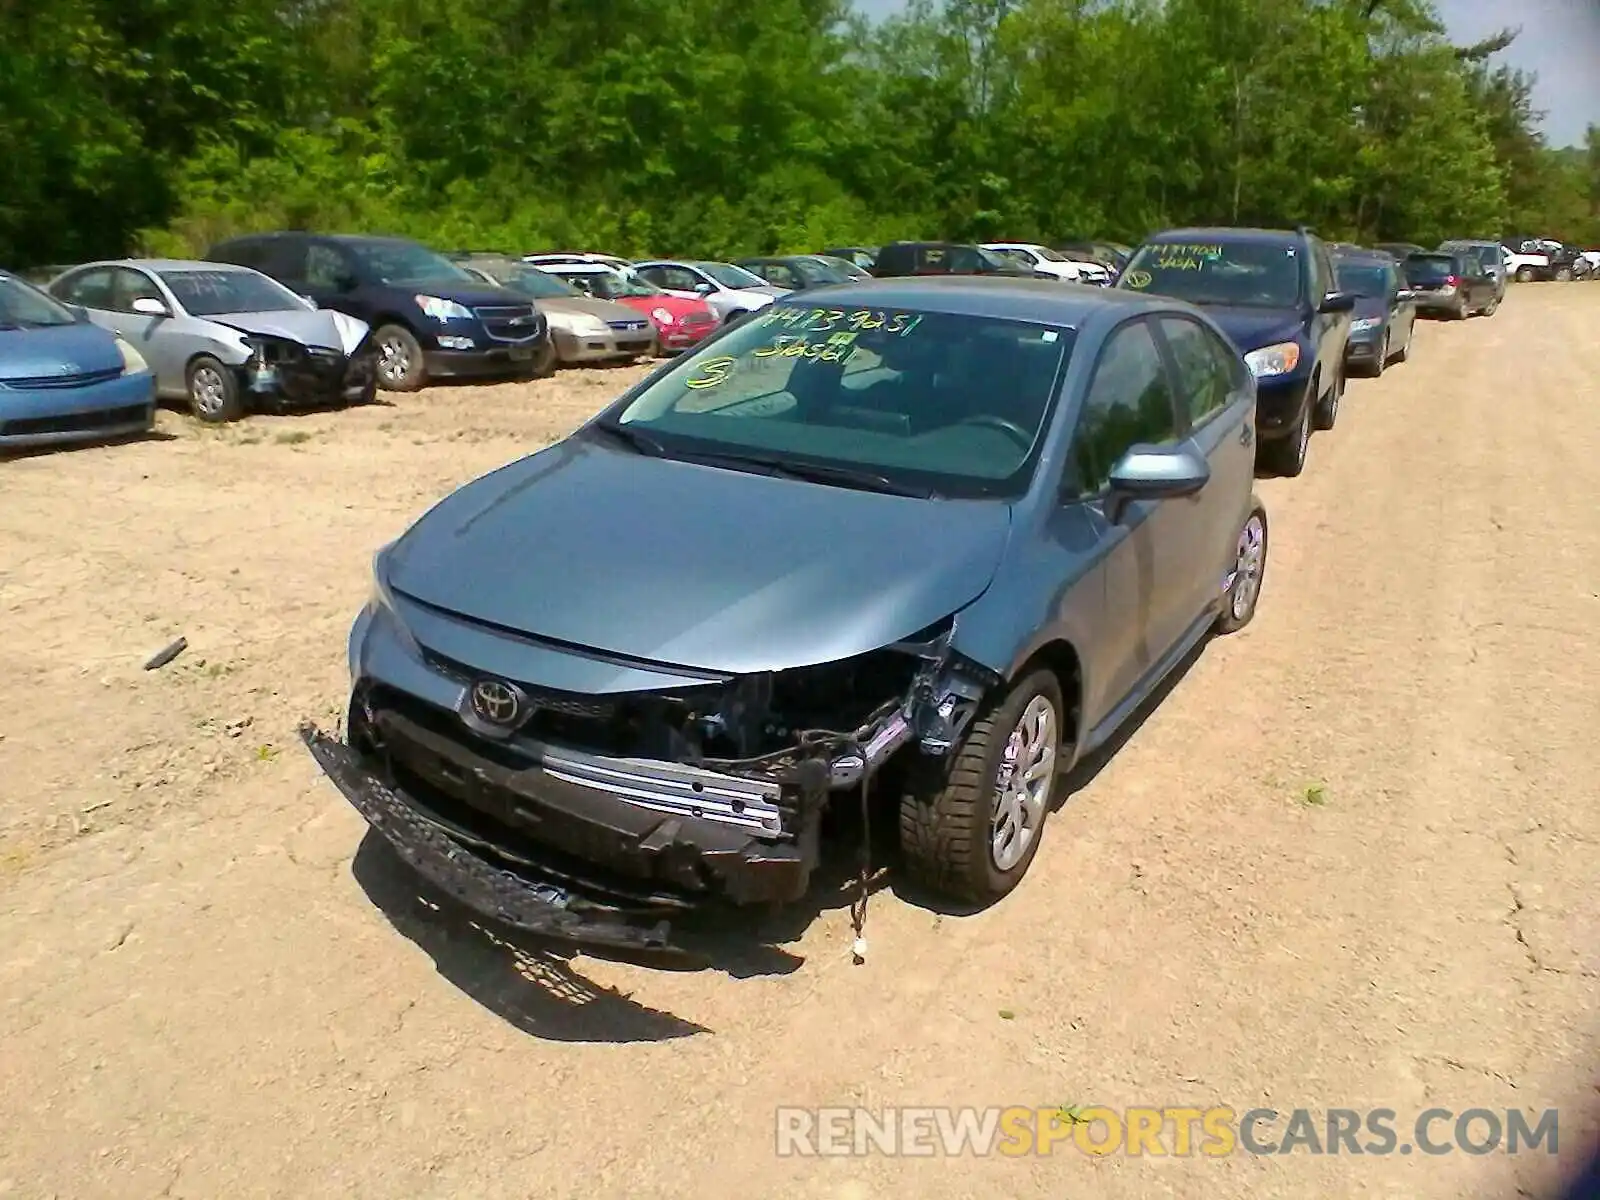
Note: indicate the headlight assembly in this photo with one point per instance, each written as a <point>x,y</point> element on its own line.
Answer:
<point>1270,361</point>
<point>437,308</point>
<point>132,361</point>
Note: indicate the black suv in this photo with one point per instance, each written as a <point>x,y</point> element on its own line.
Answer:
<point>1276,294</point>
<point>899,259</point>
<point>429,317</point>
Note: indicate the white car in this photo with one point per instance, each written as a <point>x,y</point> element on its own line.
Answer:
<point>1053,262</point>
<point>575,257</point>
<point>730,291</point>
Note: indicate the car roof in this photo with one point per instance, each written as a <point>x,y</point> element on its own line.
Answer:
<point>167,264</point>
<point>571,268</point>
<point>1047,301</point>
<point>1226,233</point>
<point>1375,258</point>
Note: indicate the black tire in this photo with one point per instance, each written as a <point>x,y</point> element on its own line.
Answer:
<point>401,367</point>
<point>1404,352</point>
<point>1377,369</point>
<point>1286,456</point>
<point>367,395</point>
<point>1327,407</point>
<point>544,362</point>
<point>1243,593</point>
<point>214,395</point>
<point>1563,274</point>
<point>1524,274</point>
<point>1492,307</point>
<point>948,809</point>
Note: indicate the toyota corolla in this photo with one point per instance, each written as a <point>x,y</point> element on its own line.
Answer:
<point>918,544</point>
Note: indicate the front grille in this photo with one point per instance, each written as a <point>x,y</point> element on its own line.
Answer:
<point>511,322</point>
<point>75,380</point>
<point>107,418</point>
<point>628,326</point>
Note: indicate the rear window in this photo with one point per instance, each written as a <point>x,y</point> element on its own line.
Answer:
<point>1429,267</point>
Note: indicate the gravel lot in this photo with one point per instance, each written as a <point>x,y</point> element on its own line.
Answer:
<point>1350,860</point>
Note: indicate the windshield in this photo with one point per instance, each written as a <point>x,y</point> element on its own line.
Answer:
<point>1431,268</point>
<point>614,285</point>
<point>1248,274</point>
<point>730,276</point>
<point>209,293</point>
<point>1050,255</point>
<point>407,262</point>
<point>951,404</point>
<point>846,269</point>
<point>23,306</point>
<point>1366,279</point>
<point>540,285</point>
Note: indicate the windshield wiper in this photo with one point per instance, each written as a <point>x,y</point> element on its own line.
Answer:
<point>634,439</point>
<point>850,477</point>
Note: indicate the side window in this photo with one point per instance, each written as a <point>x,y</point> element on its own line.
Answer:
<point>128,286</point>
<point>1206,379</point>
<point>92,289</point>
<point>675,279</point>
<point>325,266</point>
<point>779,275</point>
<point>1129,402</point>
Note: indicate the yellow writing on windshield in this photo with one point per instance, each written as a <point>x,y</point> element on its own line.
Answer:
<point>1185,256</point>
<point>826,320</point>
<point>711,372</point>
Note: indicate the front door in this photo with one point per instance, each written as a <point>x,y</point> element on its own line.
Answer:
<point>1129,402</point>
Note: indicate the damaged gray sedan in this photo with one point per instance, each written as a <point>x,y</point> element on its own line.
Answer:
<point>919,544</point>
<point>225,338</point>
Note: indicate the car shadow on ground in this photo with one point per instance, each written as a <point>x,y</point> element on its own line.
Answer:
<point>126,439</point>
<point>529,984</point>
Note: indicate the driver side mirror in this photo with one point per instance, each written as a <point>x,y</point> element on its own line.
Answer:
<point>1153,473</point>
<point>1405,296</point>
<point>149,306</point>
<point>703,288</point>
<point>1337,302</point>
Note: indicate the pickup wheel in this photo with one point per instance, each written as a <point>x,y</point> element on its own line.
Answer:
<point>970,823</point>
<point>400,363</point>
<point>1563,274</point>
<point>1524,274</point>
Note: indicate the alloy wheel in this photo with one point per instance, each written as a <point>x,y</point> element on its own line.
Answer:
<point>1022,789</point>
<point>1247,567</point>
<point>394,360</point>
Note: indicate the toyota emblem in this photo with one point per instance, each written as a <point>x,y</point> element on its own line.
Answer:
<point>497,703</point>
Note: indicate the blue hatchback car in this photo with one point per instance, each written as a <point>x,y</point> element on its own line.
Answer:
<point>922,543</point>
<point>62,379</point>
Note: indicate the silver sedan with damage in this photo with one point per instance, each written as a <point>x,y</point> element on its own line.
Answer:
<point>911,548</point>
<point>226,338</point>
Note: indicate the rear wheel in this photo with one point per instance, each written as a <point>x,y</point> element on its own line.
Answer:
<point>970,824</point>
<point>214,391</point>
<point>1249,571</point>
<point>1564,275</point>
<point>1524,274</point>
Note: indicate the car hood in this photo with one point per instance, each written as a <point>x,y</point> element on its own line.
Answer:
<point>606,310</point>
<point>57,350</point>
<point>1253,328</point>
<point>756,294</point>
<point>469,292</point>
<point>324,327</point>
<point>695,566</point>
<point>678,306</point>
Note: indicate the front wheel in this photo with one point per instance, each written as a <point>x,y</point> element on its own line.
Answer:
<point>401,367</point>
<point>214,391</point>
<point>1286,456</point>
<point>970,824</point>
<point>1242,589</point>
<point>1328,406</point>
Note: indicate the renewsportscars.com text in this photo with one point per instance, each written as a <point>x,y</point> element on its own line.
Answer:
<point>1174,1131</point>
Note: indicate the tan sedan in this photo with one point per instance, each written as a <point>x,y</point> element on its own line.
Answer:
<point>582,327</point>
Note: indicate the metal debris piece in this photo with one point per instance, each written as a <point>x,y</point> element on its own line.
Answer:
<point>167,655</point>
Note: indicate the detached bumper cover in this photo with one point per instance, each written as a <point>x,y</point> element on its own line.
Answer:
<point>540,908</point>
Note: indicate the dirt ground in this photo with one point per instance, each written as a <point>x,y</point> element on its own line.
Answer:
<point>1350,860</point>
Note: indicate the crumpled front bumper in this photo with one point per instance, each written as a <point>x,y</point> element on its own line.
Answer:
<point>466,875</point>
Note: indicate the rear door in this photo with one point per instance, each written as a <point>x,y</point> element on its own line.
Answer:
<point>1216,418</point>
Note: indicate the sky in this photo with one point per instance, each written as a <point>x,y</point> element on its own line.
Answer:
<point>1560,41</point>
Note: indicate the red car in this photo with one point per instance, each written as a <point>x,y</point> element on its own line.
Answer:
<point>680,323</point>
